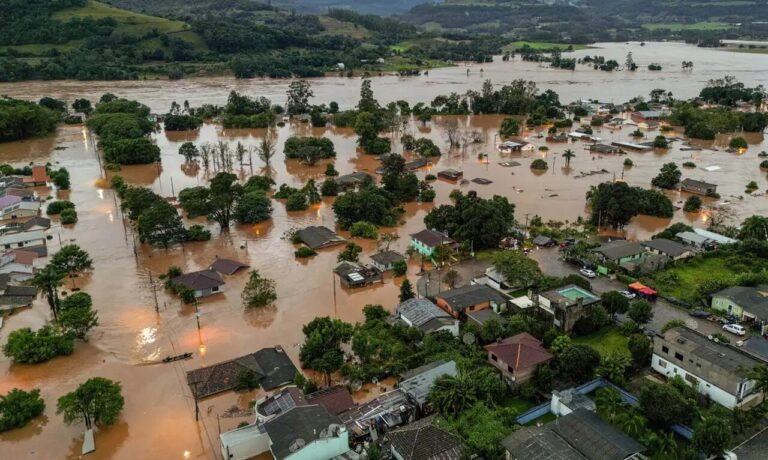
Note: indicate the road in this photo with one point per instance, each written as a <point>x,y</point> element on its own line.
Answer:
<point>663,311</point>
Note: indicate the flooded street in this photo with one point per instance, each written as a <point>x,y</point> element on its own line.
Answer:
<point>158,419</point>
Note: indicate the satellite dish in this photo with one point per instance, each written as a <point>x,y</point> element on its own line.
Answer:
<point>468,338</point>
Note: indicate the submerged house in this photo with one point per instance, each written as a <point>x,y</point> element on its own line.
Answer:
<point>203,282</point>
<point>318,237</point>
<point>698,187</point>
<point>427,240</point>
<point>355,275</point>
<point>384,261</point>
<point>353,180</point>
<point>515,146</point>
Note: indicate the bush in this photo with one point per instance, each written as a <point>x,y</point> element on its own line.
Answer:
<point>31,347</point>
<point>400,267</point>
<point>692,204</point>
<point>246,380</point>
<point>19,407</point>
<point>198,233</point>
<point>68,216</point>
<point>426,148</point>
<point>689,164</point>
<point>660,142</point>
<point>304,252</point>
<point>57,206</point>
<point>509,127</point>
<point>738,143</point>
<point>296,202</point>
<point>330,170</point>
<point>539,165</point>
<point>131,151</point>
<point>433,177</point>
<point>596,122</point>
<point>628,163</point>
<point>329,188</point>
<point>364,229</point>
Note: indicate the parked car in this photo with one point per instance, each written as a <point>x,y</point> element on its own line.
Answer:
<point>700,314</point>
<point>587,272</point>
<point>737,329</point>
<point>628,294</point>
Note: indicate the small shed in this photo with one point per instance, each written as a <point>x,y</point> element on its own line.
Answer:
<point>318,237</point>
<point>698,186</point>
<point>450,174</point>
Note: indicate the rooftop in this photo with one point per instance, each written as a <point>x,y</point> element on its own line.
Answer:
<point>422,440</point>
<point>467,296</point>
<point>716,237</point>
<point>199,280</point>
<point>352,178</point>
<point>692,237</point>
<point>432,238</point>
<point>387,257</point>
<point>521,351</point>
<point>720,355</point>
<point>9,200</point>
<point>419,383</point>
<point>619,249</point>
<point>668,247</point>
<point>696,183</point>
<point>317,237</point>
<point>298,427</point>
<point>226,266</point>
<point>582,434</point>
<point>483,316</point>
<point>420,311</point>
<point>281,402</point>
<point>335,399</point>
<point>570,295</point>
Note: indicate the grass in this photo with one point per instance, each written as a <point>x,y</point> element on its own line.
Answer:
<point>680,281</point>
<point>695,26</point>
<point>518,404</point>
<point>544,419</point>
<point>605,341</point>
<point>545,45</point>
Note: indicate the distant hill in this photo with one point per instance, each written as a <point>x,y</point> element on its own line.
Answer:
<point>176,8</point>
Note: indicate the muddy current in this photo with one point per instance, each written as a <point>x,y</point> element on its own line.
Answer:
<point>158,420</point>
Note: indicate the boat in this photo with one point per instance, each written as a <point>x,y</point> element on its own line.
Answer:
<point>170,359</point>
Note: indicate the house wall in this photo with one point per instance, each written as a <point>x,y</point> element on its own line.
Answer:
<point>516,376</point>
<point>246,448</point>
<point>206,292</point>
<point>421,248</point>
<point>447,308</point>
<point>323,449</point>
<point>453,329</point>
<point>665,366</point>
<point>23,244</point>
<point>727,305</point>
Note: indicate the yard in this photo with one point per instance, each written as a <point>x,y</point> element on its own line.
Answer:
<point>682,280</point>
<point>605,341</point>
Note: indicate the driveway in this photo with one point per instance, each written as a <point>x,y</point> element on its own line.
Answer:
<point>551,264</point>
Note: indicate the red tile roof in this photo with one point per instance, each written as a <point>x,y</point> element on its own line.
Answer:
<point>24,257</point>
<point>39,174</point>
<point>521,351</point>
<point>336,399</point>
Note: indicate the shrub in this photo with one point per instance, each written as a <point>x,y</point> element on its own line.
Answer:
<point>433,177</point>
<point>751,186</point>
<point>330,170</point>
<point>329,188</point>
<point>660,142</point>
<point>692,204</point>
<point>738,143</point>
<point>296,202</point>
<point>32,347</point>
<point>364,229</point>
<point>198,233</point>
<point>764,164</point>
<point>509,127</point>
<point>304,252</point>
<point>68,216</point>
<point>400,267</point>
<point>19,407</point>
<point>689,164</point>
<point>57,206</point>
<point>539,165</point>
<point>596,122</point>
<point>628,163</point>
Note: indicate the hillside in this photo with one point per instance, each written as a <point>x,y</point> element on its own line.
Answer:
<point>583,21</point>
<point>177,8</point>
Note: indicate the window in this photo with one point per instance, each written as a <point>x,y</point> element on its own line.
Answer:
<point>215,288</point>
<point>665,349</point>
<point>662,363</point>
<point>494,357</point>
<point>679,356</point>
<point>510,370</point>
<point>691,379</point>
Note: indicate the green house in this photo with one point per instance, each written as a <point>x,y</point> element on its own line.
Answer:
<point>425,242</point>
<point>618,252</point>
<point>746,303</point>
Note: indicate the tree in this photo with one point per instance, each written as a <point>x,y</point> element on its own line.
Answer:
<point>609,403</point>
<point>641,350</point>
<point>669,176</point>
<point>299,93</point>
<point>692,204</point>
<point>477,221</point>
<point>738,143</point>
<point>614,302</point>
<point>48,280</point>
<point>614,367</point>
<point>612,204</point>
<point>25,346</point>
<point>246,379</point>
<point>579,362</point>
<point>641,311</point>
<point>258,291</point>
<point>568,155</point>
<point>539,165</point>
<point>61,179</point>
<point>98,401</point>
<point>266,150</point>
<point>712,435</point>
<point>663,405</point>
<point>760,375</point>
<point>189,151</point>
<point>350,253</point>
<point>72,260</point>
<point>632,422</point>
<point>68,216</point>
<point>131,151</point>
<point>321,348</point>
<point>252,207</point>
<point>76,315</point>
<point>224,194</point>
<point>450,395</point>
<point>450,278</point>
<point>406,291</point>
<point>367,101</point>
<point>518,269</point>
<point>509,127</point>
<point>754,227</point>
<point>82,105</point>
<point>18,407</point>
<point>160,225</point>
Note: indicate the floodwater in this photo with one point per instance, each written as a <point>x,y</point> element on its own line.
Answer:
<point>158,419</point>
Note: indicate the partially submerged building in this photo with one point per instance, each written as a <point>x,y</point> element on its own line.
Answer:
<point>202,282</point>
<point>698,187</point>
<point>384,261</point>
<point>426,241</point>
<point>355,275</point>
<point>318,237</point>
<point>426,316</point>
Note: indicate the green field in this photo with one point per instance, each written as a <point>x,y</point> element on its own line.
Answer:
<point>348,29</point>
<point>605,341</point>
<point>680,281</point>
<point>544,45</point>
<point>695,26</point>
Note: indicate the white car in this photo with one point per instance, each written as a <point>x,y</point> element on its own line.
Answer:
<point>587,272</point>
<point>737,329</point>
<point>629,295</point>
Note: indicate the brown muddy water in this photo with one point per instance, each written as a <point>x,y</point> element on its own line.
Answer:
<point>158,420</point>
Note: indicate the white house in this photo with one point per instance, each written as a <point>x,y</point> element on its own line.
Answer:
<point>713,369</point>
<point>22,239</point>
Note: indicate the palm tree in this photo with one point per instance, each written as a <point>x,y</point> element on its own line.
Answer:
<point>632,423</point>
<point>449,395</point>
<point>568,154</point>
<point>48,280</point>
<point>760,375</point>
<point>609,402</point>
<point>662,445</point>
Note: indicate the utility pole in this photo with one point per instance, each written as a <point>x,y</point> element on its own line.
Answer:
<point>154,291</point>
